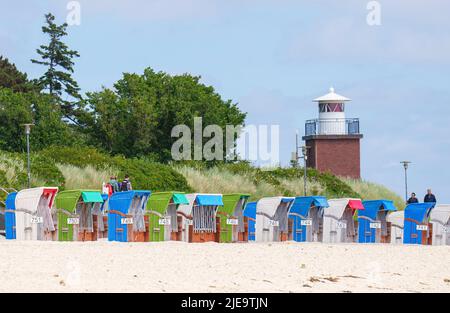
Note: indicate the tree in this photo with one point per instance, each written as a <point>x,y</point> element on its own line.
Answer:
<point>57,58</point>
<point>20,108</point>
<point>137,116</point>
<point>12,78</point>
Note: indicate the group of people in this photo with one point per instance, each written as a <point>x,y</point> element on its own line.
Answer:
<point>115,186</point>
<point>429,197</point>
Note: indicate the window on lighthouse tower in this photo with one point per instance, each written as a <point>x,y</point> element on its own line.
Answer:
<point>331,107</point>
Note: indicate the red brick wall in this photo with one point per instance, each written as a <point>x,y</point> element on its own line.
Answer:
<point>339,155</point>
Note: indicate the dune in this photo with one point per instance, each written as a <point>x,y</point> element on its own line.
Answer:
<point>38,266</point>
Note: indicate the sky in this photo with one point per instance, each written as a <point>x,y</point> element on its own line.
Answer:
<point>272,57</point>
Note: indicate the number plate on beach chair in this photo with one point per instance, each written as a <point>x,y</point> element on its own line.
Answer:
<point>232,221</point>
<point>73,221</point>
<point>375,225</point>
<point>274,223</point>
<point>164,221</point>
<point>37,220</point>
<point>307,222</point>
<point>341,225</point>
<point>422,227</point>
<point>126,220</point>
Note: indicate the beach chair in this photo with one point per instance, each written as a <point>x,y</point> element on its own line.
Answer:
<point>163,221</point>
<point>272,223</point>
<point>373,224</point>
<point>396,221</point>
<point>126,216</point>
<point>339,225</point>
<point>10,216</point>
<point>233,225</point>
<point>417,228</point>
<point>306,214</point>
<point>198,218</point>
<point>79,215</point>
<point>440,219</point>
<point>33,214</point>
<point>250,215</point>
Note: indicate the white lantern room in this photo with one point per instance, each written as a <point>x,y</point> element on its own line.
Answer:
<point>331,114</point>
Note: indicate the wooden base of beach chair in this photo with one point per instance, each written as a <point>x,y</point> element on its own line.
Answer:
<point>90,236</point>
<point>217,233</point>
<point>132,236</point>
<point>147,228</point>
<point>426,236</point>
<point>177,236</point>
<point>428,240</point>
<point>243,236</point>
<point>290,235</point>
<point>205,236</point>
<point>198,237</point>
<point>50,236</point>
<point>135,236</point>
<point>387,238</point>
<point>87,236</point>
<point>104,233</point>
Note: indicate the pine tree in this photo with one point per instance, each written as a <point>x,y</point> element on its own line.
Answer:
<point>57,57</point>
<point>12,78</point>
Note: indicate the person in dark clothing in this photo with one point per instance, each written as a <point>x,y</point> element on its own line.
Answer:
<point>126,184</point>
<point>413,199</point>
<point>429,197</point>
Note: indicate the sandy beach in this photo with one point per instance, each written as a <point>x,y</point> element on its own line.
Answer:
<point>181,267</point>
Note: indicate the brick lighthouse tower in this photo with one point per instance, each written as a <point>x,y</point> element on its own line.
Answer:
<point>332,139</point>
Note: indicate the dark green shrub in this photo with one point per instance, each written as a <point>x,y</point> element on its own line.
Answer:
<point>144,173</point>
<point>45,169</point>
<point>151,176</point>
<point>80,156</point>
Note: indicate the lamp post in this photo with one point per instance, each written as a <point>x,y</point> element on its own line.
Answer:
<point>405,166</point>
<point>296,157</point>
<point>27,132</point>
<point>305,158</point>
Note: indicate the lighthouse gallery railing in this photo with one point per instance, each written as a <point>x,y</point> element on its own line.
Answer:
<point>332,126</point>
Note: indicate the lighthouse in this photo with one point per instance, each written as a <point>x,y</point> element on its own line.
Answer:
<point>333,140</point>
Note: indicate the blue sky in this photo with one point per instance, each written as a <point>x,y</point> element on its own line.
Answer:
<point>274,57</point>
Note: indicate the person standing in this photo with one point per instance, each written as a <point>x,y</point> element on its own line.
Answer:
<point>413,199</point>
<point>126,184</point>
<point>429,197</point>
<point>114,184</point>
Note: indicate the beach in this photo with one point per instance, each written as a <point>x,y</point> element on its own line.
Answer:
<point>38,266</point>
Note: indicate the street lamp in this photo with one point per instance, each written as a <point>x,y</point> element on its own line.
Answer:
<point>296,157</point>
<point>305,158</point>
<point>405,166</point>
<point>27,132</point>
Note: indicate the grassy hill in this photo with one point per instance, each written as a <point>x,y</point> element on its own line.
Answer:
<point>70,168</point>
<point>232,178</point>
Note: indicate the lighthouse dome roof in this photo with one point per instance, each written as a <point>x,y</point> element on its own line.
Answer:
<point>332,96</point>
